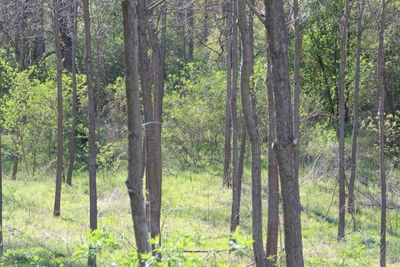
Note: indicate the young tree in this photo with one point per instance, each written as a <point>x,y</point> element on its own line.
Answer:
<point>92,125</point>
<point>228,13</point>
<point>273,179</point>
<point>380,76</point>
<point>134,182</point>
<point>236,177</point>
<point>1,196</point>
<point>341,124</point>
<point>60,127</point>
<point>296,97</point>
<point>277,37</point>
<point>360,5</point>
<point>248,110</point>
<point>74,99</point>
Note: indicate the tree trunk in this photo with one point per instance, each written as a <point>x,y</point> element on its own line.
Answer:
<point>150,126</point>
<point>285,143</point>
<point>246,70</point>
<point>382,93</point>
<point>341,125</point>
<point>236,180</point>
<point>1,197</point>
<point>158,53</point>
<point>74,100</point>
<point>92,125</point>
<point>134,182</point>
<point>355,112</point>
<point>228,110</point>
<point>65,35</point>
<point>15,168</point>
<point>273,179</point>
<point>60,134</point>
<point>296,97</point>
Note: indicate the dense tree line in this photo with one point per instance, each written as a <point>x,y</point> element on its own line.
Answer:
<point>150,85</point>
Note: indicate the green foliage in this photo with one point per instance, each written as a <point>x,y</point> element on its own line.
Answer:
<point>194,116</point>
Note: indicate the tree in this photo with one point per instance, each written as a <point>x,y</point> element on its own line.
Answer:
<point>248,110</point>
<point>134,182</point>
<point>360,4</point>
<point>341,124</point>
<point>228,13</point>
<point>60,127</point>
<point>236,157</point>
<point>74,99</point>
<point>296,97</point>
<point>92,125</point>
<point>1,196</point>
<point>380,76</point>
<point>277,37</point>
<point>273,179</point>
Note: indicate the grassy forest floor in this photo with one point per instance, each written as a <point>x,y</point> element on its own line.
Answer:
<point>195,216</point>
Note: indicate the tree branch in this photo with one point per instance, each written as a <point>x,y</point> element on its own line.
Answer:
<point>259,15</point>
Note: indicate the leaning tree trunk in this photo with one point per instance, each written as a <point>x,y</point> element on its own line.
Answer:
<point>341,125</point>
<point>246,70</point>
<point>60,134</point>
<point>355,113</point>
<point>382,93</point>
<point>285,142</point>
<point>134,182</point>
<point>74,100</point>
<point>92,126</point>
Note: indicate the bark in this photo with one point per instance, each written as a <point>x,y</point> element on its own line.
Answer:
<point>39,41</point>
<point>236,179</point>
<point>134,182</point>
<point>341,124</point>
<point>1,198</point>
<point>273,179</point>
<point>296,97</point>
<point>91,124</point>
<point>246,70</point>
<point>15,168</point>
<point>285,143</point>
<point>74,101</point>
<point>60,134</point>
<point>361,4</point>
<point>382,94</point>
<point>228,110</point>
<point>190,18</point>
<point>152,125</point>
<point>65,35</point>
<point>158,49</point>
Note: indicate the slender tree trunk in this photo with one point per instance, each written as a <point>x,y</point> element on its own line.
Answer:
<point>382,94</point>
<point>65,35</point>
<point>360,4</point>
<point>74,99</point>
<point>60,134</point>
<point>236,180</point>
<point>92,125</point>
<point>150,126</point>
<point>1,197</point>
<point>191,26</point>
<point>246,70</point>
<point>134,182</point>
<point>158,53</point>
<point>273,179</point>
<point>285,143</point>
<point>341,125</point>
<point>296,97</point>
<point>15,168</point>
<point>242,153</point>
<point>228,109</point>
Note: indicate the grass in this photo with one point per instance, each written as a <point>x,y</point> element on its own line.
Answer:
<point>194,204</point>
